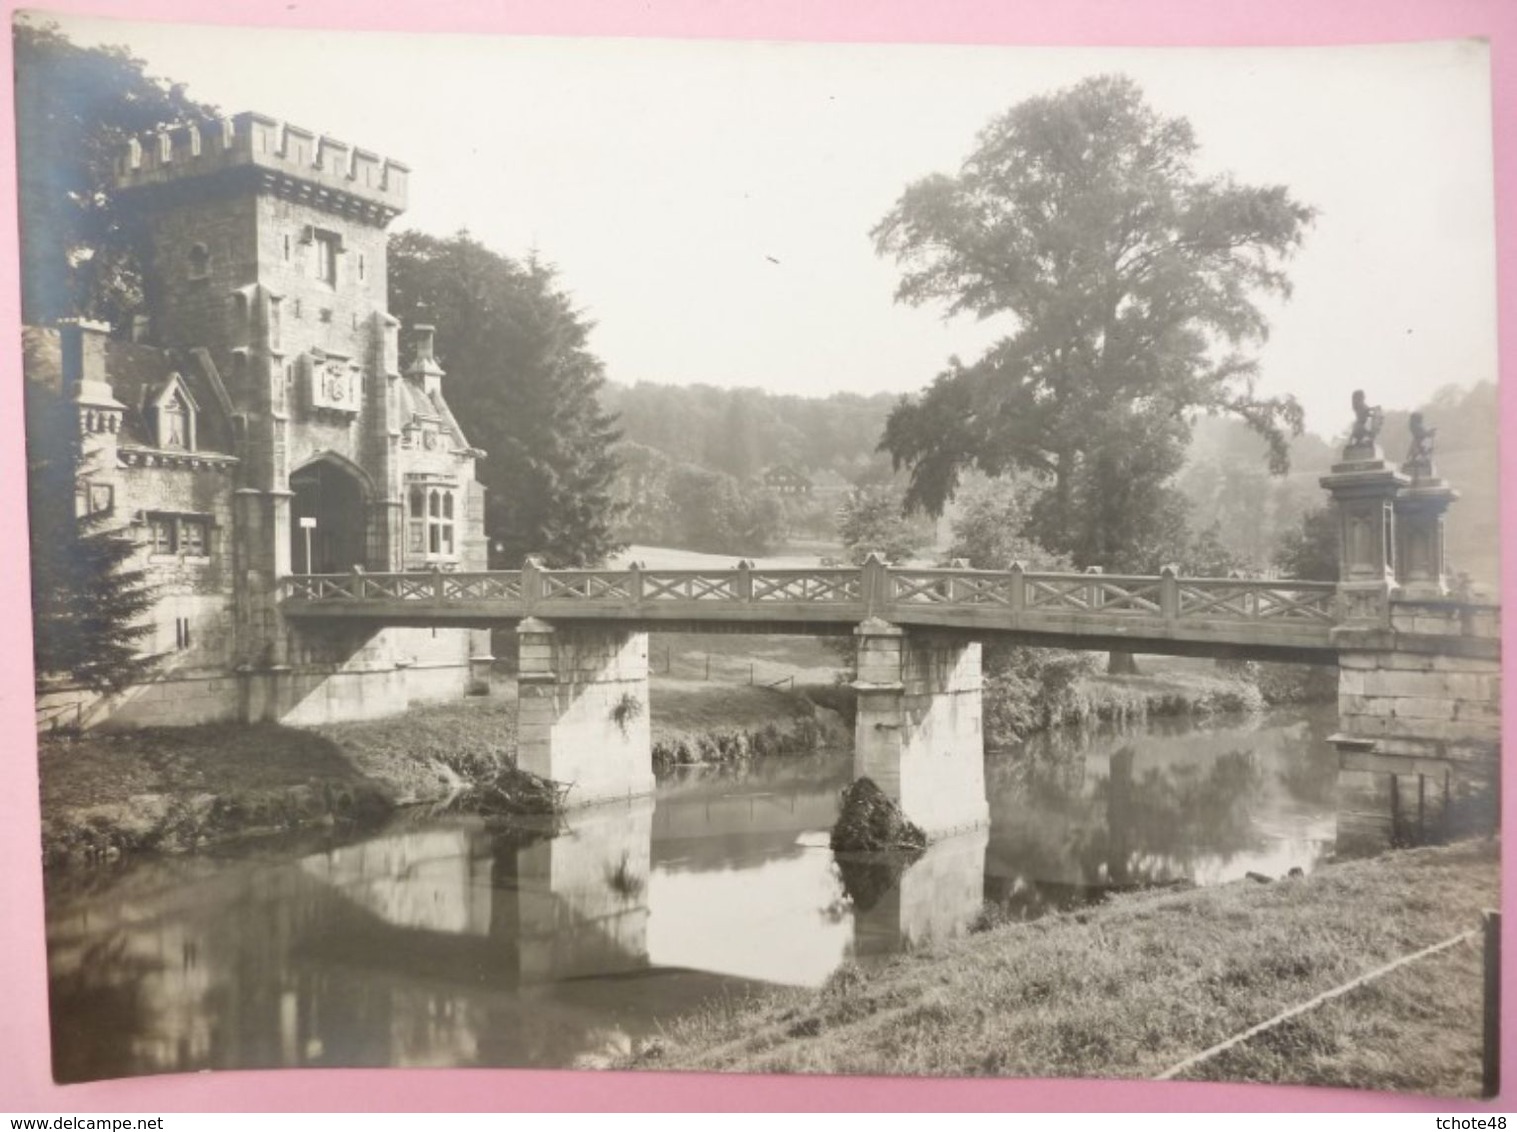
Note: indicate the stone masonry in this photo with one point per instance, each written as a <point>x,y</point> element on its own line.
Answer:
<point>1419,685</point>
<point>583,710</point>
<point>259,421</point>
<point>919,731</point>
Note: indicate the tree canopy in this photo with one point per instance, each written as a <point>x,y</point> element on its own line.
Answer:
<point>523,382</point>
<point>1131,284</point>
<point>872,519</point>
<point>74,107</point>
<point>667,502</point>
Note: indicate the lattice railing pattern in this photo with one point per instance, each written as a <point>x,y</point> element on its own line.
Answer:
<point>827,586</point>
<point>503,585</point>
<point>585,585</point>
<point>689,585</point>
<point>1031,599</point>
<point>1216,600</point>
<point>1095,593</point>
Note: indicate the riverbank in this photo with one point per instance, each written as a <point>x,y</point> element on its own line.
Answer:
<point>174,789</point>
<point>1136,985</point>
<point>107,793</point>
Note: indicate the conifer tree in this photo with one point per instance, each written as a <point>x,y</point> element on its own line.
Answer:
<point>525,387</point>
<point>88,599</point>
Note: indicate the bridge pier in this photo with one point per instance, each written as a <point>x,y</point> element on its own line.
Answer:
<point>583,709</point>
<point>918,732</point>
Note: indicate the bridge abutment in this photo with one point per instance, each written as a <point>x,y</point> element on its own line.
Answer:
<point>583,709</point>
<point>1419,684</point>
<point>1419,717</point>
<point>919,731</point>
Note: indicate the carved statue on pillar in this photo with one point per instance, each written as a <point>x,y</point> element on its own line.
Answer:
<point>1365,487</point>
<point>1422,570</point>
<point>1368,420</point>
<point>1419,457</point>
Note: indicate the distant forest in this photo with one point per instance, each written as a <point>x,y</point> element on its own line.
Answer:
<point>742,432</point>
<point>693,459</point>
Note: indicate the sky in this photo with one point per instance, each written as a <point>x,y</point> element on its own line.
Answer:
<point>708,204</point>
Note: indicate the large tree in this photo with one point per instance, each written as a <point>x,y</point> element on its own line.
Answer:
<point>523,382</point>
<point>1131,285</point>
<point>74,107</point>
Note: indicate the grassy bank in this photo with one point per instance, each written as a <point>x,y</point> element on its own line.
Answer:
<point>176,788</point>
<point>171,789</point>
<point>699,722</point>
<point>1033,690</point>
<point>1142,982</point>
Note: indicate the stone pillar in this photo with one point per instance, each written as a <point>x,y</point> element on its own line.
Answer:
<point>1364,488</point>
<point>481,663</point>
<point>1419,521</point>
<point>583,709</point>
<point>918,733</point>
<point>261,556</point>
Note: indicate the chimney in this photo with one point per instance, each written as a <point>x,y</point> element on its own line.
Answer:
<point>84,376</point>
<point>424,368</point>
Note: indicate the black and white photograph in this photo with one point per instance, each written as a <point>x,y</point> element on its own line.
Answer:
<point>763,557</point>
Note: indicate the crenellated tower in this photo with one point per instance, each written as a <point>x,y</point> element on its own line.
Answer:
<point>264,249</point>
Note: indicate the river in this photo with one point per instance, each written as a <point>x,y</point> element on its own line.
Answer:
<point>437,942</point>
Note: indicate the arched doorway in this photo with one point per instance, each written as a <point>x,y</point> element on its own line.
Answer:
<point>327,515</point>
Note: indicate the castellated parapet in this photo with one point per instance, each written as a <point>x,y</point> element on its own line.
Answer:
<point>286,160</point>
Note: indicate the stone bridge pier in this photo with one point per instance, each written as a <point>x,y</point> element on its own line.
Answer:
<point>583,717</point>
<point>919,732</point>
<point>583,709</point>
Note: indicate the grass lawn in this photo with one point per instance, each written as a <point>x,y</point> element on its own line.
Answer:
<point>1140,983</point>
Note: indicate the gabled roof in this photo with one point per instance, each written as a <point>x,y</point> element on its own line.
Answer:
<point>139,376</point>
<point>416,402</point>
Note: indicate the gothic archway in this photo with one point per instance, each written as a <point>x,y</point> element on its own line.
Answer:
<point>334,497</point>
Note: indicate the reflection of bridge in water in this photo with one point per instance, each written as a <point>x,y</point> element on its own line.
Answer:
<point>442,942</point>
<point>449,943</point>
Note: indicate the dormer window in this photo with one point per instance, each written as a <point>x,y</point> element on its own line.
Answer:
<point>171,414</point>
<point>175,425</point>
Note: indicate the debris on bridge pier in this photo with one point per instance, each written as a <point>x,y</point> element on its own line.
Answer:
<point>869,822</point>
<point>501,791</point>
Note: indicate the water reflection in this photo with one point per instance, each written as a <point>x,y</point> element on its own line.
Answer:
<point>1172,804</point>
<point>447,942</point>
<point>936,897</point>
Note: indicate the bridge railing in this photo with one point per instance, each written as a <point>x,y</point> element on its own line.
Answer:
<point>1166,596</point>
<point>874,589</point>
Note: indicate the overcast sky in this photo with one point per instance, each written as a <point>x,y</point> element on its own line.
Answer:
<point>708,204</point>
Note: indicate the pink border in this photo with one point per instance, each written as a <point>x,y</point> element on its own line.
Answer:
<point>25,1084</point>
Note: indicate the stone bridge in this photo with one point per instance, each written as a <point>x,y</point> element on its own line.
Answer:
<point>1419,667</point>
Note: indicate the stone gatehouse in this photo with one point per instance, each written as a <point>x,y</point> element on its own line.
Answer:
<point>260,420</point>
